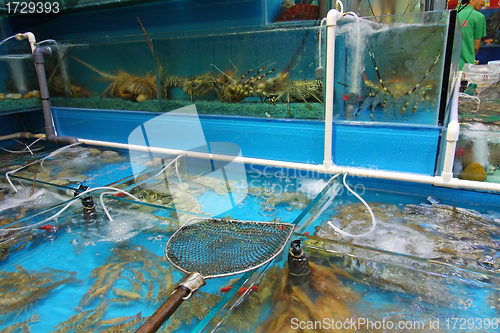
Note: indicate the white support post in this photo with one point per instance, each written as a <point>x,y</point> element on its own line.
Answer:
<point>331,22</point>
<point>452,134</point>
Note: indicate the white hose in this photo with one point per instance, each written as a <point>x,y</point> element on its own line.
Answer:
<point>320,37</point>
<point>6,39</point>
<point>116,191</point>
<point>37,161</point>
<point>338,2</point>
<point>374,221</point>
<point>25,149</point>
<point>69,204</point>
<point>16,170</point>
<point>57,152</point>
<point>163,169</point>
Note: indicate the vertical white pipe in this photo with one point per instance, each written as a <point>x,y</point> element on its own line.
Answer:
<point>452,134</point>
<point>331,21</point>
<point>31,39</point>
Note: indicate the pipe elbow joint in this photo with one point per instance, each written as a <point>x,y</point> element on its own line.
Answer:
<point>39,52</point>
<point>62,139</point>
<point>453,132</point>
<point>332,17</point>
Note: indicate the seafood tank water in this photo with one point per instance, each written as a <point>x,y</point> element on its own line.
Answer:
<point>229,125</point>
<point>98,261</point>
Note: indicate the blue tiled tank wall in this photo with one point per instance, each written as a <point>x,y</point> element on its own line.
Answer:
<point>396,148</point>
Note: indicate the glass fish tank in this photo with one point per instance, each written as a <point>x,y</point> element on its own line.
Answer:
<point>443,225</point>
<point>375,85</point>
<point>271,73</point>
<point>348,288</point>
<point>19,89</point>
<point>477,155</point>
<point>76,261</point>
<point>268,73</point>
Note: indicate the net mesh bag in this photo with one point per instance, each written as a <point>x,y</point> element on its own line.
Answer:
<point>219,247</point>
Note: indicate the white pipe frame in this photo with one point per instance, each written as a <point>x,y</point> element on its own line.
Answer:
<point>445,180</point>
<point>369,173</point>
<point>331,21</point>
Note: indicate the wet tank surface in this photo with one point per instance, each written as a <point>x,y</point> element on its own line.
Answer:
<point>350,288</point>
<point>76,260</point>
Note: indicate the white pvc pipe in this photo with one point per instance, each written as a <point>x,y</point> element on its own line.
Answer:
<point>331,21</point>
<point>452,134</point>
<point>368,173</point>
<point>31,39</point>
<point>12,136</point>
<point>389,175</point>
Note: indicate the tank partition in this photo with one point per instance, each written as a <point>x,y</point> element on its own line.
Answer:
<point>225,189</point>
<point>106,74</point>
<point>267,73</point>
<point>92,272</point>
<point>478,152</point>
<point>450,226</point>
<point>391,68</point>
<point>353,288</point>
<point>18,82</point>
<point>272,73</point>
<point>69,166</point>
<point>392,77</point>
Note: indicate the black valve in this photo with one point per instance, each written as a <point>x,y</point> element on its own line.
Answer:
<point>298,264</point>
<point>89,211</point>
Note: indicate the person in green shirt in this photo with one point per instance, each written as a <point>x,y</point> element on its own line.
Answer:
<point>473,26</point>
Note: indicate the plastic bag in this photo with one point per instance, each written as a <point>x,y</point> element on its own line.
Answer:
<point>482,75</point>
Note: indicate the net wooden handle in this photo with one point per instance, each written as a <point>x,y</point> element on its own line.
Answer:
<point>161,315</point>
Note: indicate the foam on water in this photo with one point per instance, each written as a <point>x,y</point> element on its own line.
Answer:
<point>125,225</point>
<point>393,237</point>
<point>477,133</point>
<point>22,197</point>
<point>312,187</point>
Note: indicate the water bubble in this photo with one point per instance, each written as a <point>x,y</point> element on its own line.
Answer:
<point>159,237</point>
<point>297,205</point>
<point>50,238</point>
<point>468,302</point>
<point>279,174</point>
<point>74,241</point>
<point>266,194</point>
<point>268,211</point>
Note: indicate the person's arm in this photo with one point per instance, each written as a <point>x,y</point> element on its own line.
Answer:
<point>477,44</point>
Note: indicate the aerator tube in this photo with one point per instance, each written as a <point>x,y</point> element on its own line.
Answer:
<point>50,132</point>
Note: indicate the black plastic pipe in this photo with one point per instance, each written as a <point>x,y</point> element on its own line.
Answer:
<point>50,132</point>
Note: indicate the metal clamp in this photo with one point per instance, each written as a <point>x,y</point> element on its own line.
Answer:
<point>193,282</point>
